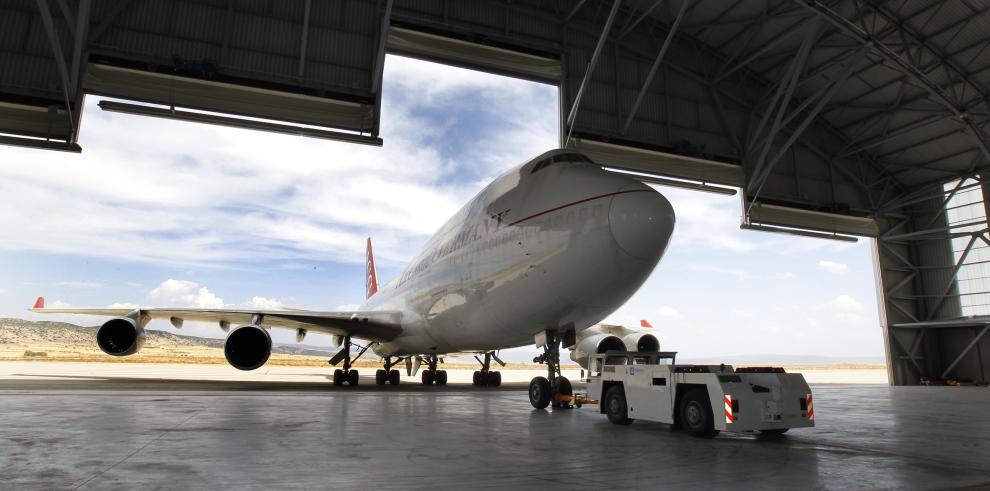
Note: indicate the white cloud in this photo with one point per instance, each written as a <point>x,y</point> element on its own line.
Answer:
<point>80,284</point>
<point>739,273</point>
<point>833,267</point>
<point>58,304</point>
<point>263,303</point>
<point>845,304</point>
<point>238,196</point>
<point>669,312</point>
<point>182,293</point>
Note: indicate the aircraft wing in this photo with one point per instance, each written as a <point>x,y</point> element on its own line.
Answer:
<point>382,325</point>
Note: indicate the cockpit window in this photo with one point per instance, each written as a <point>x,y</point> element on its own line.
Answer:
<point>562,157</point>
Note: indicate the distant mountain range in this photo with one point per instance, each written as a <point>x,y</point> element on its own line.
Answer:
<point>29,333</point>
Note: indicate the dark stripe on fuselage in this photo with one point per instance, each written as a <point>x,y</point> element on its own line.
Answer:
<point>578,202</point>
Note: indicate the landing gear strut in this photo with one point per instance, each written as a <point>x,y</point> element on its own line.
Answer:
<point>486,377</point>
<point>388,374</point>
<point>431,375</point>
<point>344,355</point>
<point>554,388</point>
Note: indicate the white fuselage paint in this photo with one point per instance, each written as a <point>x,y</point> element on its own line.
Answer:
<point>560,248</point>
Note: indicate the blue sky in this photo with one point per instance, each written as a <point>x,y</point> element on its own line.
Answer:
<point>156,212</point>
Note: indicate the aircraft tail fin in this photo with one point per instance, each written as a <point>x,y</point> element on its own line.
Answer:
<point>371,276</point>
<point>645,324</point>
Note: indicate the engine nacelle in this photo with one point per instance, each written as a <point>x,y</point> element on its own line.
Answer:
<point>247,347</point>
<point>641,342</point>
<point>595,343</point>
<point>120,336</point>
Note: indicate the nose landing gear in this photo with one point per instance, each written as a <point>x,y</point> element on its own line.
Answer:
<point>554,388</point>
<point>486,377</point>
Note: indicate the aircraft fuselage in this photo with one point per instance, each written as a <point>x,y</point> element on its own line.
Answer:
<point>556,243</point>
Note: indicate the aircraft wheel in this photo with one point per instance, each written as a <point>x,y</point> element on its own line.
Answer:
<point>696,414</point>
<point>352,378</point>
<point>563,388</point>
<point>393,377</point>
<point>493,379</point>
<point>615,406</point>
<point>540,392</point>
<point>440,378</point>
<point>476,380</point>
<point>380,376</point>
<point>338,377</point>
<point>428,377</point>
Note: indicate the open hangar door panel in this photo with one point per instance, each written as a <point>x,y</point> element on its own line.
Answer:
<point>302,67</point>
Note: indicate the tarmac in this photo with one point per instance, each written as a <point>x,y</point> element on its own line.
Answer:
<point>122,432</point>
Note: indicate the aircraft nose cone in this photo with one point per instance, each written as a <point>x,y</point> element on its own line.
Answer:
<point>642,221</point>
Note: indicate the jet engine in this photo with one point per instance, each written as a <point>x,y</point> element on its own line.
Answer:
<point>595,343</point>
<point>247,347</point>
<point>639,341</point>
<point>120,336</point>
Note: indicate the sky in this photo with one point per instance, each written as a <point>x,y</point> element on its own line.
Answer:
<point>164,213</point>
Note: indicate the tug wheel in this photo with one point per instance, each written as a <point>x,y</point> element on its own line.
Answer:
<point>615,406</point>
<point>696,414</point>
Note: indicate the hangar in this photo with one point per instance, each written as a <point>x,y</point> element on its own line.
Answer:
<point>839,119</point>
<point>836,119</point>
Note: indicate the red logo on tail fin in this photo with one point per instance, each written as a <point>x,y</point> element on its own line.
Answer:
<point>645,323</point>
<point>39,303</point>
<point>371,276</point>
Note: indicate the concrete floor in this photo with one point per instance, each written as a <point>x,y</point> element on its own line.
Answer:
<point>125,434</point>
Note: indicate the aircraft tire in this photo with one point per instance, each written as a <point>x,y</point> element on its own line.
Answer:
<point>393,377</point>
<point>476,380</point>
<point>427,377</point>
<point>540,392</point>
<point>615,406</point>
<point>440,378</point>
<point>338,377</point>
<point>380,376</point>
<point>352,378</point>
<point>495,379</point>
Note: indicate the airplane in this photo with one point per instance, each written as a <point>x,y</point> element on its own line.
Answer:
<point>542,253</point>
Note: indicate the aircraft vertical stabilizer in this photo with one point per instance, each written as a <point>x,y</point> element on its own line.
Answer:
<point>371,275</point>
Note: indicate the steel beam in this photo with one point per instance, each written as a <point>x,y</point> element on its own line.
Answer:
<point>105,23</point>
<point>965,351</point>
<point>656,65</point>
<point>81,31</point>
<point>783,95</point>
<point>822,100</point>
<point>644,14</point>
<point>574,11</point>
<point>952,278</point>
<point>913,72</point>
<point>56,45</point>
<point>304,39</point>
<point>590,69</point>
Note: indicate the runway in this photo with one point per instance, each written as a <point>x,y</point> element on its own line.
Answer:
<point>120,433</point>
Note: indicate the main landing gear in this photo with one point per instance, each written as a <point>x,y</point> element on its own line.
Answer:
<point>347,374</point>
<point>554,388</point>
<point>486,377</point>
<point>431,375</point>
<point>388,374</point>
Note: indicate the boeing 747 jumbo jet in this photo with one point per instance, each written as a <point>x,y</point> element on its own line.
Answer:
<point>540,255</point>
